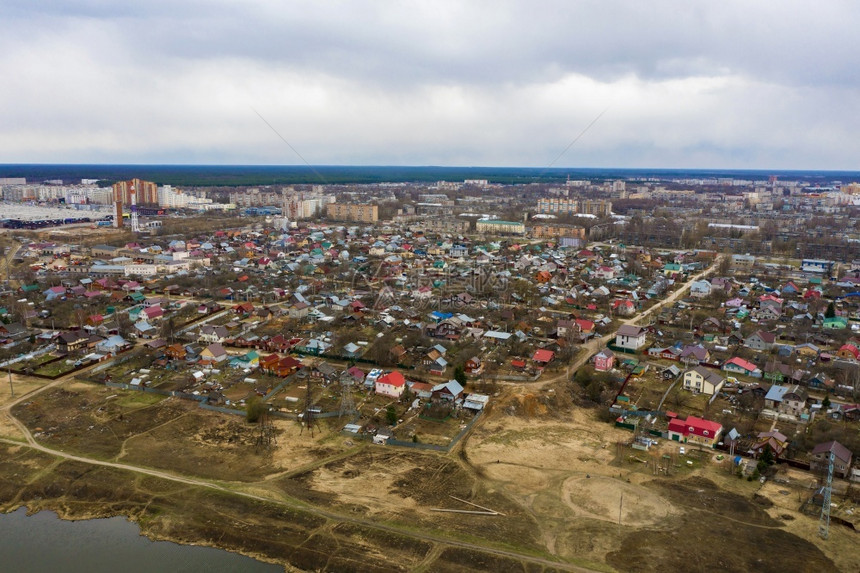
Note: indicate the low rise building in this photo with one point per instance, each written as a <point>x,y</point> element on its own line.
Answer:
<point>493,226</point>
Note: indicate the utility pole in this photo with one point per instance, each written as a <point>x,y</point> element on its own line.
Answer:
<point>11,387</point>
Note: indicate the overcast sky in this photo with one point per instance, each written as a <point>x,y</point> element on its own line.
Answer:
<point>720,84</point>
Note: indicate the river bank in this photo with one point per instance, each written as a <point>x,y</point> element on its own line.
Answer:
<point>163,510</point>
<point>100,545</point>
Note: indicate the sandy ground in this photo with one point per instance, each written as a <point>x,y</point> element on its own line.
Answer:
<point>605,498</point>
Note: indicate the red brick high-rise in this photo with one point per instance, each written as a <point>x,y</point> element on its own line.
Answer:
<point>146,191</point>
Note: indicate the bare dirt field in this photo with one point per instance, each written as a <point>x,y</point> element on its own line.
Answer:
<point>612,500</point>
<point>549,472</point>
<point>565,470</point>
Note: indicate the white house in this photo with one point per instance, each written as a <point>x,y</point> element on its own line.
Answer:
<point>630,337</point>
<point>700,289</point>
<point>392,384</point>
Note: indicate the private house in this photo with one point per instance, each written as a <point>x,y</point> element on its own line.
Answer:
<point>357,375</point>
<point>565,328</point>
<point>807,350</point>
<point>152,313</point>
<point>848,351</point>
<point>285,366</point>
<point>268,362</point>
<point>703,380</point>
<point>450,391</point>
<point>671,372</point>
<point>760,340</point>
<point>542,357</point>
<point>695,354</point>
<point>819,458</point>
<point>176,351</point>
<point>630,337</point>
<point>112,345</point>
<point>474,365</point>
<point>695,430</point>
<point>740,366</point>
<point>700,289</point>
<point>299,310</point>
<point>822,381</point>
<point>392,384</point>
<point>248,360</point>
<point>671,353</point>
<point>54,293</point>
<point>438,366</point>
<point>793,401</point>
<point>671,269</point>
<point>778,372</point>
<point>397,353</point>
<point>72,340</point>
<point>604,360</point>
<point>351,350</point>
<point>210,334</point>
<point>773,398</point>
<point>623,307</point>
<point>213,354</point>
<point>420,389</point>
<point>776,441</point>
<point>835,323</point>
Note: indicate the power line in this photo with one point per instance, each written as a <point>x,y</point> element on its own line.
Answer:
<point>299,155</point>
<point>578,137</point>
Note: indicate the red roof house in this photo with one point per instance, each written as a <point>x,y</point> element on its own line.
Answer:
<point>695,430</point>
<point>392,384</point>
<point>543,356</point>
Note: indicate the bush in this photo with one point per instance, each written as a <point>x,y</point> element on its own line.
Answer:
<point>254,409</point>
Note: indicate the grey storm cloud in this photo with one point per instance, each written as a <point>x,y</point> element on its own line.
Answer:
<point>687,84</point>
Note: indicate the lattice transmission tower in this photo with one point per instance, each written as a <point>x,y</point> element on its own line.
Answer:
<point>824,522</point>
<point>347,403</point>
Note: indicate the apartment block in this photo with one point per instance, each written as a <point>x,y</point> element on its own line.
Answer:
<point>573,206</point>
<point>352,212</point>
<point>146,191</point>
<point>546,231</point>
<point>501,227</point>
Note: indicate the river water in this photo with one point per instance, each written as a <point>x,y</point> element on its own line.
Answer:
<point>43,542</point>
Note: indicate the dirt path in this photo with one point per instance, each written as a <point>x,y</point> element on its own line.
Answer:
<point>298,506</point>
<point>587,350</point>
<point>283,501</point>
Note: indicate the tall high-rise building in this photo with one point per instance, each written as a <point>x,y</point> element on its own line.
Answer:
<point>146,191</point>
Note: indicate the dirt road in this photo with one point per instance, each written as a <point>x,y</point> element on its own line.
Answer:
<point>588,349</point>
<point>235,489</point>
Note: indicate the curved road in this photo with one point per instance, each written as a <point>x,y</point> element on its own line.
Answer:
<point>284,501</point>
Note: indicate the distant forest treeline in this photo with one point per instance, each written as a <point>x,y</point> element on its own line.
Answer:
<point>240,175</point>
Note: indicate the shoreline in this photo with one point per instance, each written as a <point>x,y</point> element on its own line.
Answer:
<point>65,513</point>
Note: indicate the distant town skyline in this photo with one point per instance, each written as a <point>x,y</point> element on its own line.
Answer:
<point>728,85</point>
